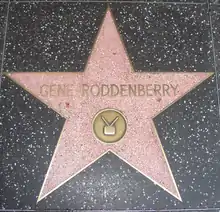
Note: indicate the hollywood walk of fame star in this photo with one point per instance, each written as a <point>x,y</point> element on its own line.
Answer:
<point>78,147</point>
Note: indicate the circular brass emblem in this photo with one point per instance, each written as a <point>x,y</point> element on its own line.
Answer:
<point>109,125</point>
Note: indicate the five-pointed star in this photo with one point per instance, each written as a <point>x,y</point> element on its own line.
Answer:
<point>78,147</point>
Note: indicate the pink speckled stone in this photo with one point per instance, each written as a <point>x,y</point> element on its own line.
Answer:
<point>140,147</point>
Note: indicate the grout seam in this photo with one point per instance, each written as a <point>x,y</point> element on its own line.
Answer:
<point>214,58</point>
<point>119,2</point>
<point>4,43</point>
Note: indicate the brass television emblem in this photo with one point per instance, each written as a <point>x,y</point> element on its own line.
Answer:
<point>109,125</point>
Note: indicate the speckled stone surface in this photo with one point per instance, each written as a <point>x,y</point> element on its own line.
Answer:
<point>215,2</point>
<point>166,37</point>
<point>51,36</point>
<point>124,1</point>
<point>215,21</point>
<point>108,184</point>
<point>109,63</point>
<point>3,13</point>
<point>190,135</point>
<point>192,148</point>
<point>215,18</point>
<point>29,134</point>
<point>170,37</point>
<point>42,37</point>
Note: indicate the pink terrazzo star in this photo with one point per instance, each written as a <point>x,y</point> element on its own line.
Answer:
<point>77,147</point>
